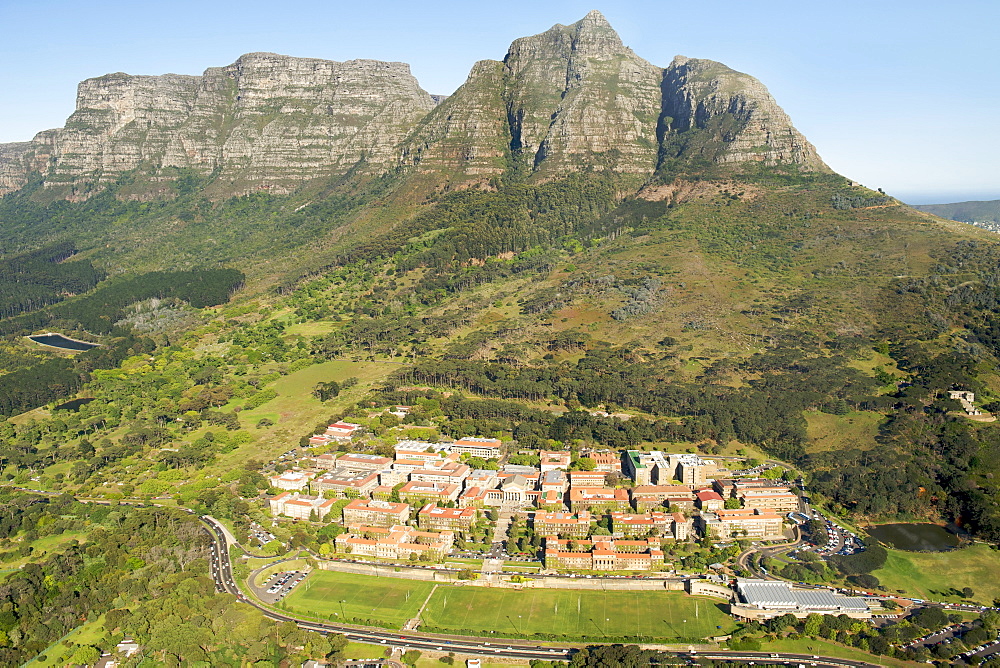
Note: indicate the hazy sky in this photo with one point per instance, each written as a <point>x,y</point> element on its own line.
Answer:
<point>898,94</point>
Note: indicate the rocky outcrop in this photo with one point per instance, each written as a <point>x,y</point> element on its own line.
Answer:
<point>266,121</point>
<point>575,98</point>
<point>569,99</point>
<point>725,116</point>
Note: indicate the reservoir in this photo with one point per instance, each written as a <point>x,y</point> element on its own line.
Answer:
<point>915,537</point>
<point>74,404</point>
<point>60,341</point>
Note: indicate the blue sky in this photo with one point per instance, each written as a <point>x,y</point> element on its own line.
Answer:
<point>902,95</point>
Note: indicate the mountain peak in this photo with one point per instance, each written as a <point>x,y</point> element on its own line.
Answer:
<point>594,37</point>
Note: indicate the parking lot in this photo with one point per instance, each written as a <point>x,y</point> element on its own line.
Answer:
<point>280,585</point>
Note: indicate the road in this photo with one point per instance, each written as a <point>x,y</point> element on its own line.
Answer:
<point>224,582</point>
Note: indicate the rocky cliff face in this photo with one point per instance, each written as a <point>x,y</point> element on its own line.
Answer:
<point>569,99</point>
<point>266,121</point>
<point>575,98</point>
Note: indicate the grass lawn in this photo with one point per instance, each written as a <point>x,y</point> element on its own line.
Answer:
<point>391,600</point>
<point>826,648</point>
<point>576,612</point>
<point>826,432</point>
<point>360,650</point>
<point>931,575</point>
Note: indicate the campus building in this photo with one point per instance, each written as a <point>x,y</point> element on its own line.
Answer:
<point>764,599</point>
<point>376,513</point>
<point>396,542</point>
<point>598,499</point>
<point>300,506</point>
<point>434,518</point>
<point>554,459</point>
<point>486,448</point>
<point>568,525</point>
<point>347,483</point>
<point>603,554</point>
<point>290,480</point>
<point>420,493</point>
<point>645,497</point>
<point>742,523</point>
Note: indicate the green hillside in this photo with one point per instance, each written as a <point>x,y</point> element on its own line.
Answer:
<point>966,212</point>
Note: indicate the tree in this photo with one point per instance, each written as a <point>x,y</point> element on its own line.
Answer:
<point>968,593</point>
<point>410,657</point>
<point>273,547</point>
<point>732,503</point>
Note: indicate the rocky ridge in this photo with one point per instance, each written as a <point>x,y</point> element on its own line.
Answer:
<point>569,99</point>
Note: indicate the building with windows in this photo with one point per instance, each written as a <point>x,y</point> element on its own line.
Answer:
<point>602,553</point>
<point>342,431</point>
<point>631,525</point>
<point>487,448</point>
<point>420,493</point>
<point>710,500</point>
<point>751,523</point>
<point>396,542</point>
<point>554,459</point>
<point>690,469</point>
<point>560,524</point>
<point>347,483</point>
<point>598,500</point>
<point>290,480</point>
<point>376,513</point>
<point>361,462</point>
<point>645,497</point>
<point>300,506</point>
<point>779,502</point>
<point>434,518</point>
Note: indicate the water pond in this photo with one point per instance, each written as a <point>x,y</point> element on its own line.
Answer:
<point>915,537</point>
<point>60,341</point>
<point>74,404</point>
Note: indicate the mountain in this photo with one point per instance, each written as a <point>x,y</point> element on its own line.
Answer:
<point>983,213</point>
<point>572,98</point>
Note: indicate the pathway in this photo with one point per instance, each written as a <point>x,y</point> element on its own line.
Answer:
<point>414,623</point>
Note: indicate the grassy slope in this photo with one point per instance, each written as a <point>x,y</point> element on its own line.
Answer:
<point>932,575</point>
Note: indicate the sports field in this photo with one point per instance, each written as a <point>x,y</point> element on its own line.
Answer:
<point>390,600</point>
<point>576,612</point>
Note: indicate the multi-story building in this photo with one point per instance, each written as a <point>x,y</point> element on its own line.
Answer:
<point>603,554</point>
<point>691,469</point>
<point>645,497</point>
<point>710,500</point>
<point>742,523</point>
<point>419,450</point>
<point>486,448</point>
<point>420,493</point>
<point>606,461</point>
<point>359,463</point>
<point>326,462</point>
<point>587,478</point>
<point>376,513</point>
<point>291,480</point>
<point>300,506</point>
<point>347,483</point>
<point>598,500</point>
<point>566,525</point>
<point>446,519</point>
<point>631,525</point>
<point>343,431</point>
<point>554,480</point>
<point>396,542</point>
<point>554,459</point>
<point>451,473</point>
<point>779,502</point>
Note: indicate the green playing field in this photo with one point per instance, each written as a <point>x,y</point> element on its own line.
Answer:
<point>575,612</point>
<point>391,600</point>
